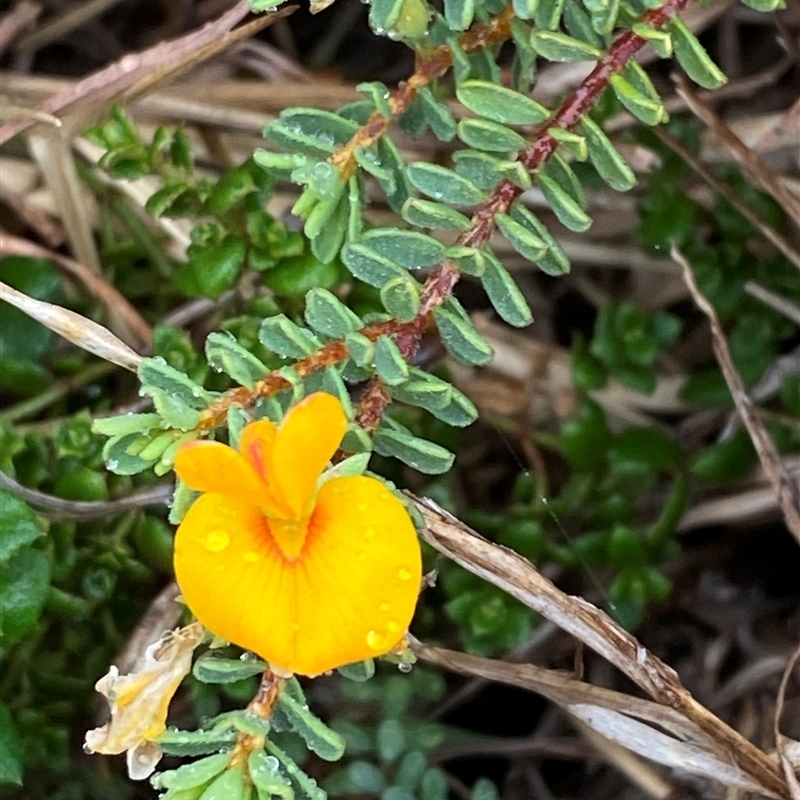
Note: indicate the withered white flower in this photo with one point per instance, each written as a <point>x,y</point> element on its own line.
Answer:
<point>139,701</point>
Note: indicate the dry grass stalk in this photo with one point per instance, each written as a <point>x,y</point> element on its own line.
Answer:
<point>713,744</point>
<point>789,770</point>
<point>786,488</point>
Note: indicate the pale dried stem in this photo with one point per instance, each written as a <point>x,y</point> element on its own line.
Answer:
<point>786,488</point>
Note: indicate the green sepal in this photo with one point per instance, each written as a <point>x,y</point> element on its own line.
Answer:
<point>359,671</point>
<point>225,354</point>
<point>195,743</point>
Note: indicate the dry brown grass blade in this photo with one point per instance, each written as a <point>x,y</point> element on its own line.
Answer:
<point>14,22</point>
<point>137,73</point>
<point>786,488</point>
<point>780,241</point>
<point>780,739</point>
<point>77,329</point>
<point>51,151</point>
<point>746,157</point>
<point>634,723</point>
<point>519,578</point>
<point>140,333</point>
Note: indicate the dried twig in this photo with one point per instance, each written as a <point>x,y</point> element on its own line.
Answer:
<point>597,630</point>
<point>746,157</point>
<point>22,16</point>
<point>774,300</point>
<point>58,507</point>
<point>786,488</point>
<point>109,295</point>
<point>780,740</point>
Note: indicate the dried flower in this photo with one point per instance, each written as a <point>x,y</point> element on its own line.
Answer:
<point>139,701</point>
<point>308,572</point>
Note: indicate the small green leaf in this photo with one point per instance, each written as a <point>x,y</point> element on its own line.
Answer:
<point>470,260</point>
<point>176,397</point>
<point>644,108</point>
<point>125,424</point>
<point>437,113</point>
<point>24,581</point>
<point>486,171</point>
<point>409,249</point>
<point>359,671</point>
<point>10,749</point>
<point>384,14</point>
<point>427,214</point>
<point>500,104</point>
<point>265,774</point>
<point>483,134</point>
<point>324,741</point>
<point>305,788</point>
<point>557,46</point>
<point>370,266</point>
<point>278,162</point>
<point>731,459</point>
<point>521,238</point>
<point>659,39</point>
<point>226,355</point>
<point>327,315</point>
<point>229,785</point>
<point>459,336</point>
<point>575,143</point>
<point>195,743</point>
<point>389,362</point>
<point>692,56</point>
<point>610,165</point>
<point>525,9</point>
<point>392,439</point>
<point>459,13</point>
<point>504,294</point>
<point>210,668</point>
<point>400,297</point>
<point>288,340</point>
<point>554,261</point>
<point>569,213</point>
<point>484,789</point>
<point>765,6</point>
<point>443,184</point>
<point>548,14</point>
<point>379,94</point>
<point>361,349</point>
<point>310,131</point>
<point>19,526</point>
<point>189,776</point>
<point>216,266</point>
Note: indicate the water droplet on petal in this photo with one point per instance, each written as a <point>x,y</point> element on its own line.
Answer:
<point>251,557</point>
<point>295,626</point>
<point>384,607</point>
<point>404,573</point>
<point>393,625</point>
<point>216,540</point>
<point>361,556</point>
<point>369,533</point>
<point>362,507</point>
<point>376,640</point>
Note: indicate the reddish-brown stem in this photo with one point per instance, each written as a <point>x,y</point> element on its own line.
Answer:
<point>441,282</point>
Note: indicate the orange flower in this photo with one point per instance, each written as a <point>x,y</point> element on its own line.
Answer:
<point>310,574</point>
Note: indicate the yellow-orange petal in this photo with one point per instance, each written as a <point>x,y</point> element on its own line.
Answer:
<point>256,444</point>
<point>357,581</point>
<point>349,596</point>
<point>215,467</point>
<point>307,438</point>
